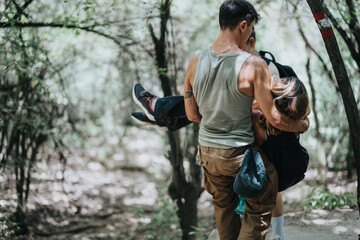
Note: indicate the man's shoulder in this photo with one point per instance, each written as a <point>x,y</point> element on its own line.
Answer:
<point>255,62</point>
<point>195,59</point>
<point>191,70</point>
<point>253,68</point>
<point>193,62</point>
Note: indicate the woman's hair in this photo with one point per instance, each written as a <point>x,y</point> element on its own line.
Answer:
<point>290,98</point>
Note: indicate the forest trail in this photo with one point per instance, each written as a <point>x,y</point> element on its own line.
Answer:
<point>95,202</point>
<point>115,201</point>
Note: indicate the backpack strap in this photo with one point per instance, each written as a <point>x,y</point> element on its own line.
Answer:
<point>284,71</point>
<point>262,53</point>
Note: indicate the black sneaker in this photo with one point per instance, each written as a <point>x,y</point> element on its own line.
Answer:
<point>144,99</point>
<point>141,119</point>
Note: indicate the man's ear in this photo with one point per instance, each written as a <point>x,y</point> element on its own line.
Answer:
<point>242,25</point>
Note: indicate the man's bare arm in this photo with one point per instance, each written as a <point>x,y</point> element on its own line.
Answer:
<point>262,93</point>
<point>191,107</point>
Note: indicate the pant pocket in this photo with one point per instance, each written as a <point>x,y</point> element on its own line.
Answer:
<point>200,158</point>
<point>232,164</point>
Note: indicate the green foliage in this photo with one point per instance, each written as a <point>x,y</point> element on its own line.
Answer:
<point>164,223</point>
<point>28,114</point>
<point>324,199</point>
<point>7,228</point>
<point>202,231</point>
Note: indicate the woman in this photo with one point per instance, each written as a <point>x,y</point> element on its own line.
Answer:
<point>283,148</point>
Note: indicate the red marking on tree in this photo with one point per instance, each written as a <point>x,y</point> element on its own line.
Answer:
<point>324,24</point>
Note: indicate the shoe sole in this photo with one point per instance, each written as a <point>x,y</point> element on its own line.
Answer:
<point>147,124</point>
<point>149,115</point>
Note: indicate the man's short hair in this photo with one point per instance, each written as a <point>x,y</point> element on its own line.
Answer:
<point>232,12</point>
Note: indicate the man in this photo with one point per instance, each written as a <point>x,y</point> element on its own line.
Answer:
<point>219,88</point>
<point>169,114</point>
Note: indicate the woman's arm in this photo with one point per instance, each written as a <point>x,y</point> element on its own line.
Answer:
<point>260,136</point>
<point>262,93</point>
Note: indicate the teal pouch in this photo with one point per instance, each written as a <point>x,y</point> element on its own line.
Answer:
<point>240,208</point>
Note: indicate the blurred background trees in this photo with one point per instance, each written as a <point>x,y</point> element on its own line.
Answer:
<point>68,68</point>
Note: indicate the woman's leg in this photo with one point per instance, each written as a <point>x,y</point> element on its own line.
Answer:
<point>277,220</point>
<point>168,111</point>
<point>279,208</point>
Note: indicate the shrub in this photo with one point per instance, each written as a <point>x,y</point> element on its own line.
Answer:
<point>324,199</point>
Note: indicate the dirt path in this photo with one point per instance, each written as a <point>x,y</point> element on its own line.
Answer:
<point>318,225</point>
<point>98,201</point>
<point>91,203</point>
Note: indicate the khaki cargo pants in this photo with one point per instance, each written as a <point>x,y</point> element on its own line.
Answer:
<point>220,169</point>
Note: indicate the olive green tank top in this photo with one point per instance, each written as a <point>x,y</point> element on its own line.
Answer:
<point>225,111</point>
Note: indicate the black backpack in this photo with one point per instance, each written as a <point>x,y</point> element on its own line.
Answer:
<point>289,158</point>
<point>284,150</point>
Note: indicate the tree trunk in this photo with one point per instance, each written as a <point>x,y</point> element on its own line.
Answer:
<point>352,112</point>
<point>349,162</point>
<point>185,193</point>
<point>19,218</point>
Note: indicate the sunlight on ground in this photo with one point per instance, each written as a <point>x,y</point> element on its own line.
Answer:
<point>339,221</point>
<point>146,148</point>
<point>140,220</point>
<point>146,196</point>
<point>319,221</point>
<point>340,229</point>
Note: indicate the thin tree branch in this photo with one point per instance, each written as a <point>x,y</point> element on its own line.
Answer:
<point>313,101</point>
<point>74,26</point>
<point>335,146</point>
<point>339,6</point>
<point>354,23</point>
<point>20,10</point>
<point>343,33</point>
<point>308,46</point>
<point>152,34</point>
